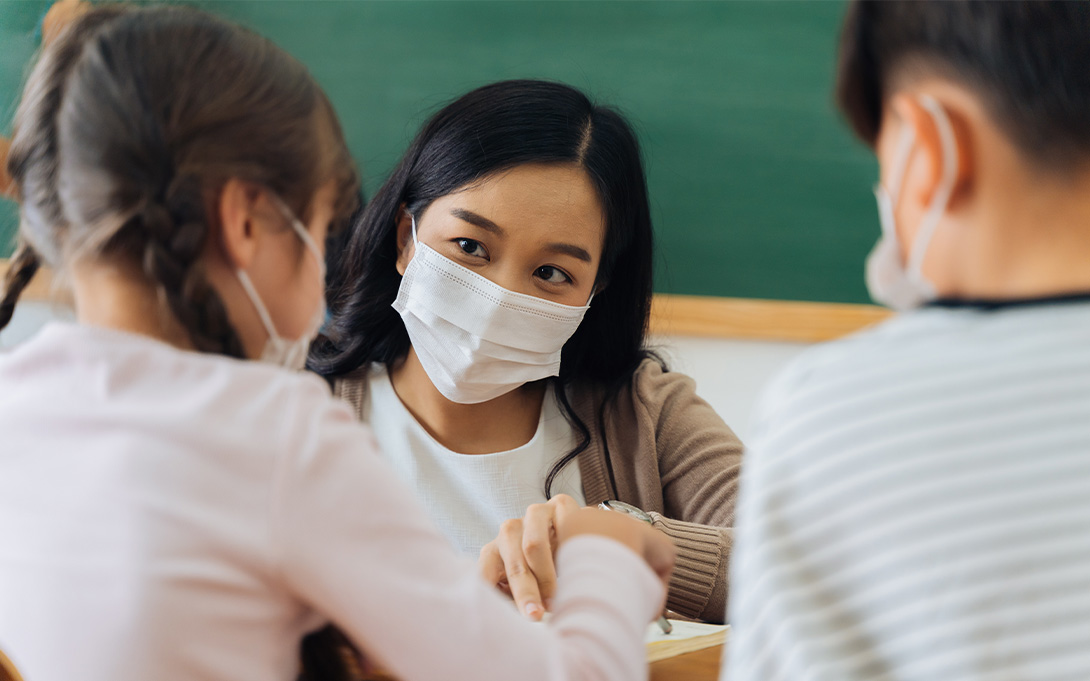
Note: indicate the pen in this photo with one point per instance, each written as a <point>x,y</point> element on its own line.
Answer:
<point>664,624</point>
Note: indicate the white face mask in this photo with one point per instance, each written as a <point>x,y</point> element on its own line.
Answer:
<point>475,339</point>
<point>891,281</point>
<point>290,354</point>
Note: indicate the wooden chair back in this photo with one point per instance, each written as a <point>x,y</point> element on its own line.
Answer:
<point>8,672</point>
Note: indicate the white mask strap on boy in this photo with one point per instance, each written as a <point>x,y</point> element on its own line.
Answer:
<point>290,354</point>
<point>892,281</point>
<point>475,339</point>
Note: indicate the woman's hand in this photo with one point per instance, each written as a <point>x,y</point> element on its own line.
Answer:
<point>521,559</point>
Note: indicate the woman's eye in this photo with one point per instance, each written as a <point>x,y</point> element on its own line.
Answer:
<point>553,275</point>
<point>471,247</point>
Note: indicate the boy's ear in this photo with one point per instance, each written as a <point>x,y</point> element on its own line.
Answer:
<point>405,246</point>
<point>926,168</point>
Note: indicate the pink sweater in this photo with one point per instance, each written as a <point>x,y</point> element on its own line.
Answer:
<point>169,515</point>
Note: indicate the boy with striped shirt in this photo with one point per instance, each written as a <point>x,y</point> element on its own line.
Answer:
<point>916,504</point>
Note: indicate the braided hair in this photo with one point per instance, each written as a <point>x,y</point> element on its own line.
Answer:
<point>32,159</point>
<point>131,119</point>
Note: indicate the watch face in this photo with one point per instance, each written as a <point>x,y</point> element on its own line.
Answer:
<point>628,509</point>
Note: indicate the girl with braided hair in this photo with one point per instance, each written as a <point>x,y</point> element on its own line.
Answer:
<point>172,507</point>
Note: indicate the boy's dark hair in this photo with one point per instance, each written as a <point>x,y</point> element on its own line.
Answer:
<point>1027,60</point>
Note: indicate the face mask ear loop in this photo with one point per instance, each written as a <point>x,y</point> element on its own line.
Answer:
<point>593,292</point>
<point>900,164</point>
<point>311,245</point>
<point>255,299</point>
<point>416,243</point>
<point>301,231</point>
<point>944,190</point>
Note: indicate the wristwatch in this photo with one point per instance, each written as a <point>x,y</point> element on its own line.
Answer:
<point>638,514</point>
<point>627,509</point>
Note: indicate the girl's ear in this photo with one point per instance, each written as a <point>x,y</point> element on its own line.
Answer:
<point>237,237</point>
<point>405,246</point>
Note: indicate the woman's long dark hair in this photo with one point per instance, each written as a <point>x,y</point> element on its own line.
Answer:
<point>491,129</point>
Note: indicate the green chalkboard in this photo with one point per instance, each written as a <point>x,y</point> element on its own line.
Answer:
<point>18,24</point>
<point>758,189</point>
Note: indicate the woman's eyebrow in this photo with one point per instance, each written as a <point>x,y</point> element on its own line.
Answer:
<point>569,249</point>
<point>478,220</point>
<point>484,223</point>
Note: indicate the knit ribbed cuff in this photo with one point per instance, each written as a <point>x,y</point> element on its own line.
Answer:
<point>699,562</point>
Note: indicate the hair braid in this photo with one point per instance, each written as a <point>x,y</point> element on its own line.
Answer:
<point>22,268</point>
<point>173,243</point>
<point>33,156</point>
<point>129,122</point>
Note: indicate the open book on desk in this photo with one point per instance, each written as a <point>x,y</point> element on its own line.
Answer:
<point>686,637</point>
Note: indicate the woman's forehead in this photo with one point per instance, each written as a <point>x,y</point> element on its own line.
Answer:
<point>558,200</point>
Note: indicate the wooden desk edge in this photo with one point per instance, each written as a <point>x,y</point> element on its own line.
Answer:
<point>699,665</point>
<point>679,315</point>
<point>752,319</point>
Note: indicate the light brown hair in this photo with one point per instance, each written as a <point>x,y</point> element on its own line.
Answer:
<point>131,119</point>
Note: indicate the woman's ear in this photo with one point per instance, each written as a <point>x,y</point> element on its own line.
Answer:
<point>237,233</point>
<point>405,246</point>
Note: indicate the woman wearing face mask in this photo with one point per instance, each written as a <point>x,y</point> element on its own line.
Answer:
<point>489,324</point>
<point>173,508</point>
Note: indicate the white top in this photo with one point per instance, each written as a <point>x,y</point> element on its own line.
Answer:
<point>470,495</point>
<point>917,505</point>
<point>169,515</point>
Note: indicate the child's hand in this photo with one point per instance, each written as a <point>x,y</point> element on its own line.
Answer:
<point>521,559</point>
<point>655,547</point>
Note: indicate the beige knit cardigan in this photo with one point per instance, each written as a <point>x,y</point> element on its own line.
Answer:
<point>665,451</point>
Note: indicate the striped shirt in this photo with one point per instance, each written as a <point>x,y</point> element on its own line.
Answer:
<point>916,504</point>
